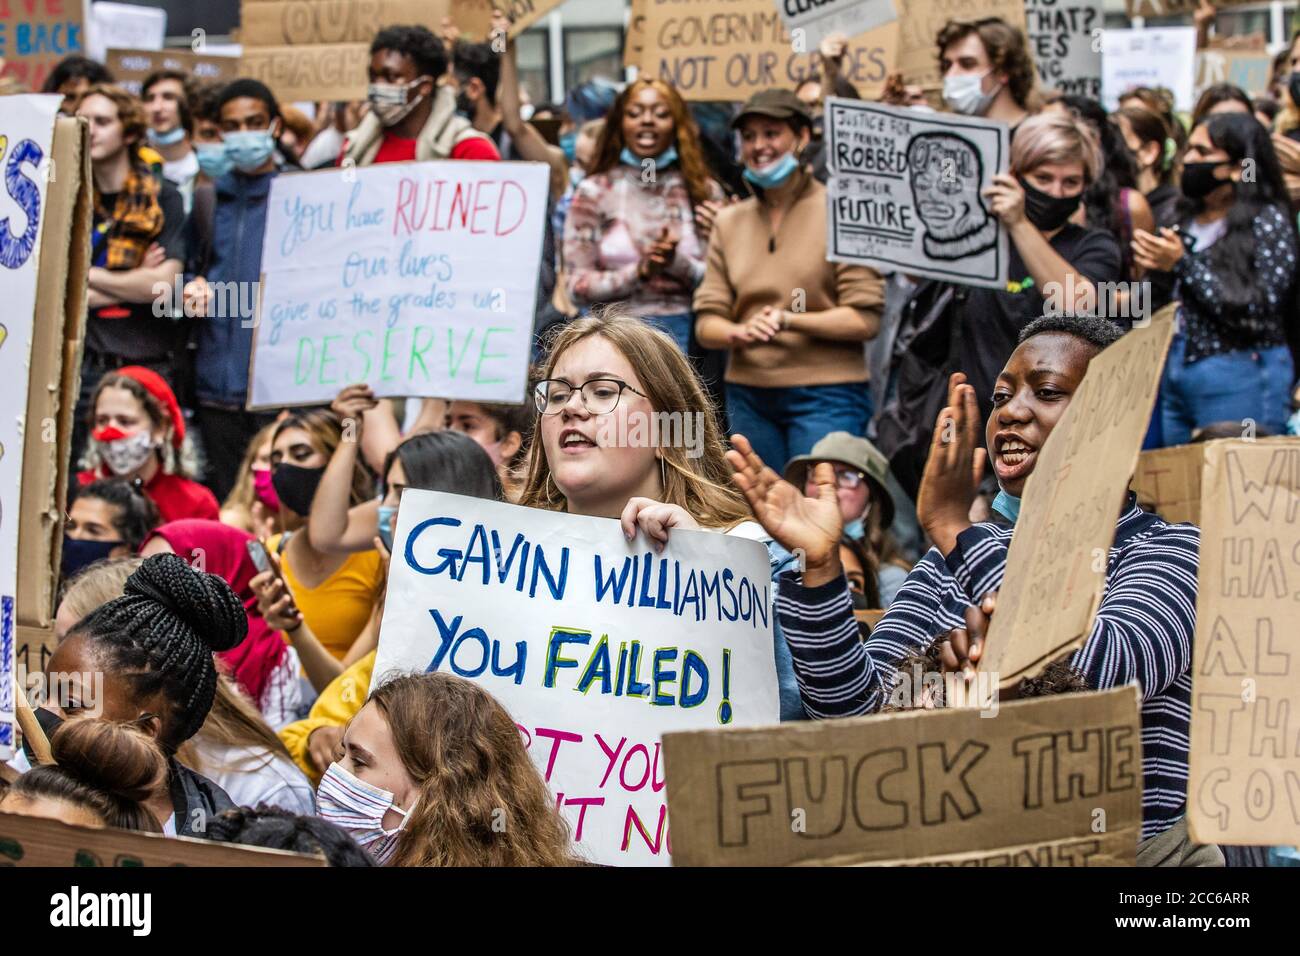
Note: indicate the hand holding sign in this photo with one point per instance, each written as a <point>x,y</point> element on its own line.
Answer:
<point>964,646</point>
<point>1006,199</point>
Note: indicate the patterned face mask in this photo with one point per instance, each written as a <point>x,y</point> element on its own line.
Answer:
<point>124,452</point>
<point>358,807</point>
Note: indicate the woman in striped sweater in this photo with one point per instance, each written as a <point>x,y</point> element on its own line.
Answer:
<point>1143,628</point>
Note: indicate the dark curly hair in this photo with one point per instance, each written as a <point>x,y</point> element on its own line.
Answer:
<point>275,828</point>
<point>160,637</point>
<point>135,514</point>
<point>426,51</point>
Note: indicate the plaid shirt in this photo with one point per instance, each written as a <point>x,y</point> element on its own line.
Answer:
<point>1142,632</point>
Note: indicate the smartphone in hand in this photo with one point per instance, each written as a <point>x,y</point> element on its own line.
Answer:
<point>257,551</point>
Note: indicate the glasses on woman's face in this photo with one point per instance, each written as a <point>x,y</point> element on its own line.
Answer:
<point>600,396</point>
<point>846,478</point>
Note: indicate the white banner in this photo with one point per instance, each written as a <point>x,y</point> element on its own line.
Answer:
<point>1164,56</point>
<point>26,132</point>
<point>818,19</point>
<point>905,192</point>
<point>1065,36</point>
<point>595,644</point>
<point>417,278</point>
<point>126,26</point>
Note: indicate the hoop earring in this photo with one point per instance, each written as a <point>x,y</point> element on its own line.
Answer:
<point>549,484</point>
<point>663,475</point>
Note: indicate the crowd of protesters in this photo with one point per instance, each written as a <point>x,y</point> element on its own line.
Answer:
<point>684,269</point>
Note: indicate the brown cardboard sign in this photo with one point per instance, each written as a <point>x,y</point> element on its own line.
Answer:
<point>36,34</point>
<point>1243,783</point>
<point>32,841</point>
<point>1168,482</point>
<point>336,71</point>
<point>730,49</point>
<point>53,381</point>
<point>132,67</point>
<point>1056,563</point>
<point>921,21</point>
<point>1056,779</point>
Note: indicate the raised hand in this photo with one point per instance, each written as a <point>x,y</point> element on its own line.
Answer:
<point>954,468</point>
<point>802,525</point>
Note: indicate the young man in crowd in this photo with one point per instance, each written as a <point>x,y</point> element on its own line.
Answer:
<point>226,295</point>
<point>71,77</point>
<point>137,249</point>
<point>166,103</point>
<point>411,116</point>
<point>987,70</point>
<point>477,70</point>
<point>1144,625</point>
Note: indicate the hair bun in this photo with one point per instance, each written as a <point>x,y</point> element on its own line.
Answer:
<point>204,602</point>
<point>115,758</point>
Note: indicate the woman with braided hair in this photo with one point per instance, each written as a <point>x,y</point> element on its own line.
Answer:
<point>154,648</point>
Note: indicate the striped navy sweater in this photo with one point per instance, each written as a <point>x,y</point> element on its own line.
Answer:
<point>1143,632</point>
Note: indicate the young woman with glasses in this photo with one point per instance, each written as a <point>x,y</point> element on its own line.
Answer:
<point>615,397</point>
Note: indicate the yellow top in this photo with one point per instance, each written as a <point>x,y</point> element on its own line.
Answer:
<point>339,608</point>
<point>337,704</point>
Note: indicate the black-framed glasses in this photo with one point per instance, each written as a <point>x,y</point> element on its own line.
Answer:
<point>600,396</point>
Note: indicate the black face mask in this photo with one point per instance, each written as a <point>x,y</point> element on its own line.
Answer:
<point>1199,179</point>
<point>78,554</point>
<point>296,486</point>
<point>1048,213</point>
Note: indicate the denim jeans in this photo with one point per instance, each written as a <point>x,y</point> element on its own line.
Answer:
<point>1233,386</point>
<point>679,327</point>
<point>783,422</point>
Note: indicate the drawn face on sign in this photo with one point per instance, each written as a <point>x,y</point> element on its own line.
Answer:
<point>946,174</point>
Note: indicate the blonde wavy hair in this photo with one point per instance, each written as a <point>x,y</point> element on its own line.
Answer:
<point>701,486</point>
<point>481,800</point>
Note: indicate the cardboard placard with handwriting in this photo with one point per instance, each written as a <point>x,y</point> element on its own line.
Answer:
<point>1056,568</point>
<point>1056,780</point>
<point>921,21</point>
<point>33,841</point>
<point>132,67</point>
<point>36,34</point>
<point>320,49</point>
<point>730,49</point>
<point>1243,784</point>
<point>1168,482</point>
<point>1248,69</point>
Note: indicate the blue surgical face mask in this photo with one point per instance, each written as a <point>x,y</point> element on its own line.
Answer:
<point>248,149</point>
<point>213,159</point>
<point>773,174</point>
<point>387,522</point>
<point>576,176</point>
<point>166,139</point>
<point>855,529</point>
<point>1007,505</point>
<point>662,161</point>
<point>569,143</point>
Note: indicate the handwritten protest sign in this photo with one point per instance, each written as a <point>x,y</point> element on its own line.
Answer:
<point>1247,69</point>
<point>1168,482</point>
<point>1151,57</point>
<point>731,49</point>
<point>921,20</point>
<point>33,841</point>
<point>904,192</point>
<point>1064,36</point>
<point>1243,783</point>
<point>595,644</point>
<point>36,35</point>
<point>818,19</point>
<point>1056,563</point>
<point>320,49</point>
<point>418,278</point>
<point>26,132</point>
<point>126,26</point>
<point>130,68</point>
<point>1050,782</point>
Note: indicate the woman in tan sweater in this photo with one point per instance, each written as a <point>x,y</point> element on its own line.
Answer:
<point>793,323</point>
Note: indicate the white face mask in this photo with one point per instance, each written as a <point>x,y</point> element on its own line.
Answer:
<point>358,807</point>
<point>965,94</point>
<point>127,454</point>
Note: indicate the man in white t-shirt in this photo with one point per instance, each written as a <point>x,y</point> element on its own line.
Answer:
<point>166,105</point>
